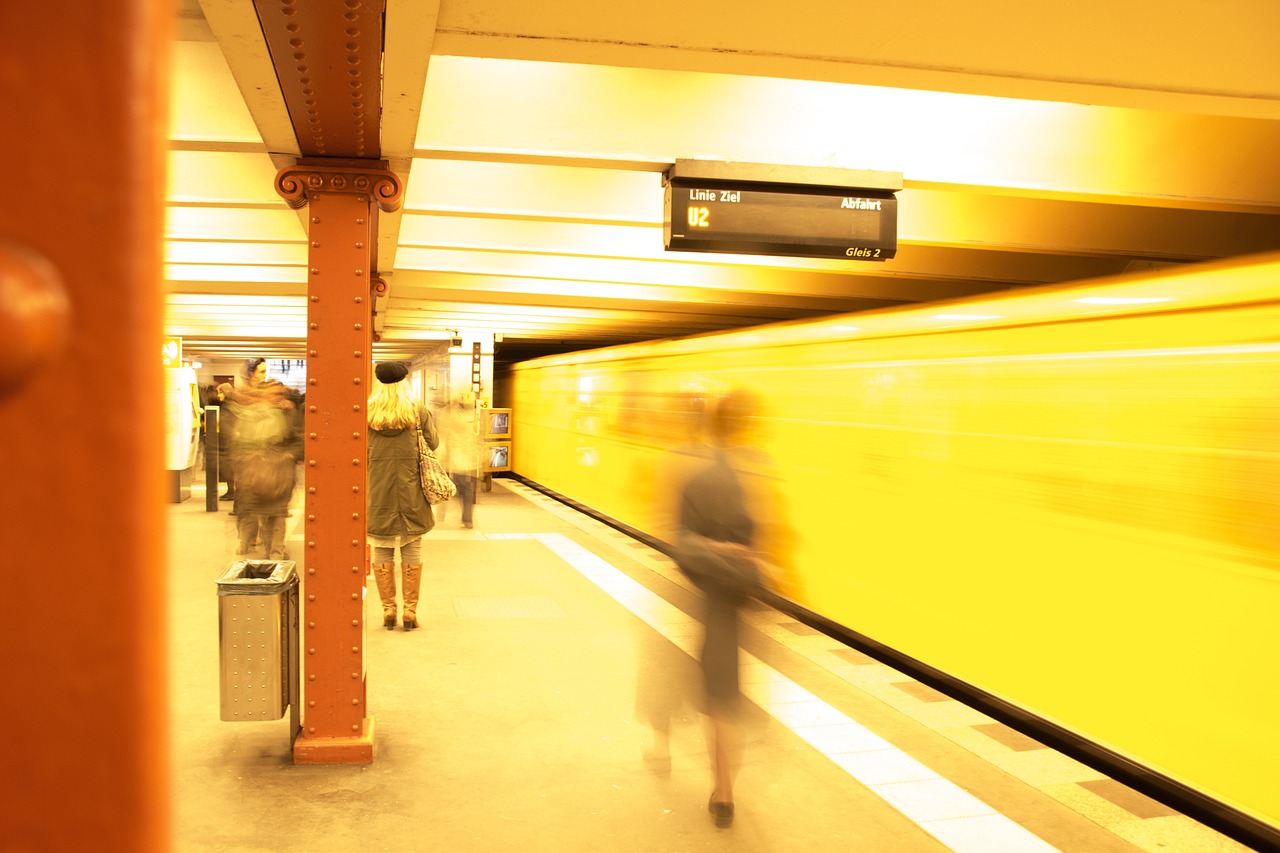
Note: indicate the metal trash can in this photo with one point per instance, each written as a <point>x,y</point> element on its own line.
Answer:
<point>257,638</point>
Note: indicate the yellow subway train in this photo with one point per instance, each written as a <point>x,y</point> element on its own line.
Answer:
<point>1063,498</point>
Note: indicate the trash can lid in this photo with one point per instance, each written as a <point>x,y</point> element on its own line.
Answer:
<point>256,577</point>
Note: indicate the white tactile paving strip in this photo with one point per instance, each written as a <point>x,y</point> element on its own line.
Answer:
<point>943,809</point>
<point>950,814</point>
<point>922,795</point>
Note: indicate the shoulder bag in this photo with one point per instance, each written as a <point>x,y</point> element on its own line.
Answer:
<point>437,485</point>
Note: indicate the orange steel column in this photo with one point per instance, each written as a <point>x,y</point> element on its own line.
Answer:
<point>341,196</point>
<point>83,618</point>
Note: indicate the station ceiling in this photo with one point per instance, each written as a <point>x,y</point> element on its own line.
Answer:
<point>1037,144</point>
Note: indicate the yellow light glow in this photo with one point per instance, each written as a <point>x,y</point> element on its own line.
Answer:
<point>1123,300</point>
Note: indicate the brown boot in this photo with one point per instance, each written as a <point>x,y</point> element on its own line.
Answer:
<point>385,575</point>
<point>412,580</point>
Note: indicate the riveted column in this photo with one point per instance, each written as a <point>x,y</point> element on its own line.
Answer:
<point>342,198</point>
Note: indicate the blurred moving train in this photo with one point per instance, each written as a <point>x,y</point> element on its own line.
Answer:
<point>1063,499</point>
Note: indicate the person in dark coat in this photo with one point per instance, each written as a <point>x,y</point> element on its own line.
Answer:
<point>716,548</point>
<point>226,428</point>
<point>398,513</point>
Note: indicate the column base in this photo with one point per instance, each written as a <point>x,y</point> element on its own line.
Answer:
<point>357,749</point>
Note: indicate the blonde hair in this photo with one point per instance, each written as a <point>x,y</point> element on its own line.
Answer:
<point>390,406</point>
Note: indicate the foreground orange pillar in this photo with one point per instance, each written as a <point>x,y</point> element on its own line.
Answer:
<point>82,494</point>
<point>342,198</point>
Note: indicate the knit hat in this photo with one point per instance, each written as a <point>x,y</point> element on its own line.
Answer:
<point>390,372</point>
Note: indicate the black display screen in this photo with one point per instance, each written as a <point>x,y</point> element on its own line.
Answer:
<point>823,223</point>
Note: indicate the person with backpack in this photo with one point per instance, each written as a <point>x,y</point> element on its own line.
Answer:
<point>266,445</point>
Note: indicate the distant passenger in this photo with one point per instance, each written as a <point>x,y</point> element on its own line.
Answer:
<point>463,450</point>
<point>265,447</point>
<point>398,513</point>
<point>226,429</point>
<point>716,549</point>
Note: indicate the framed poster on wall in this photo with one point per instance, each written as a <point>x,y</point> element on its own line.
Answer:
<point>499,456</point>
<point>497,423</point>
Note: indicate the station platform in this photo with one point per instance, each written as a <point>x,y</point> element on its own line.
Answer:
<point>520,717</point>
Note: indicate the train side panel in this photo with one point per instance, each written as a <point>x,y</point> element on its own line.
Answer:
<point>1071,508</point>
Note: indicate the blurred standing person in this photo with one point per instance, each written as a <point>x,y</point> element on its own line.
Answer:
<point>226,427</point>
<point>463,450</point>
<point>265,448</point>
<point>398,513</point>
<point>716,547</point>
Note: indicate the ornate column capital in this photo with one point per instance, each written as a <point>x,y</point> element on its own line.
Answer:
<point>351,177</point>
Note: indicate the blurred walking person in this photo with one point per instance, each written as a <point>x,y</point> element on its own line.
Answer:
<point>463,450</point>
<point>266,445</point>
<point>398,513</point>
<point>717,547</point>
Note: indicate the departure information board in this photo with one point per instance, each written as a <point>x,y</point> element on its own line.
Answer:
<point>822,222</point>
